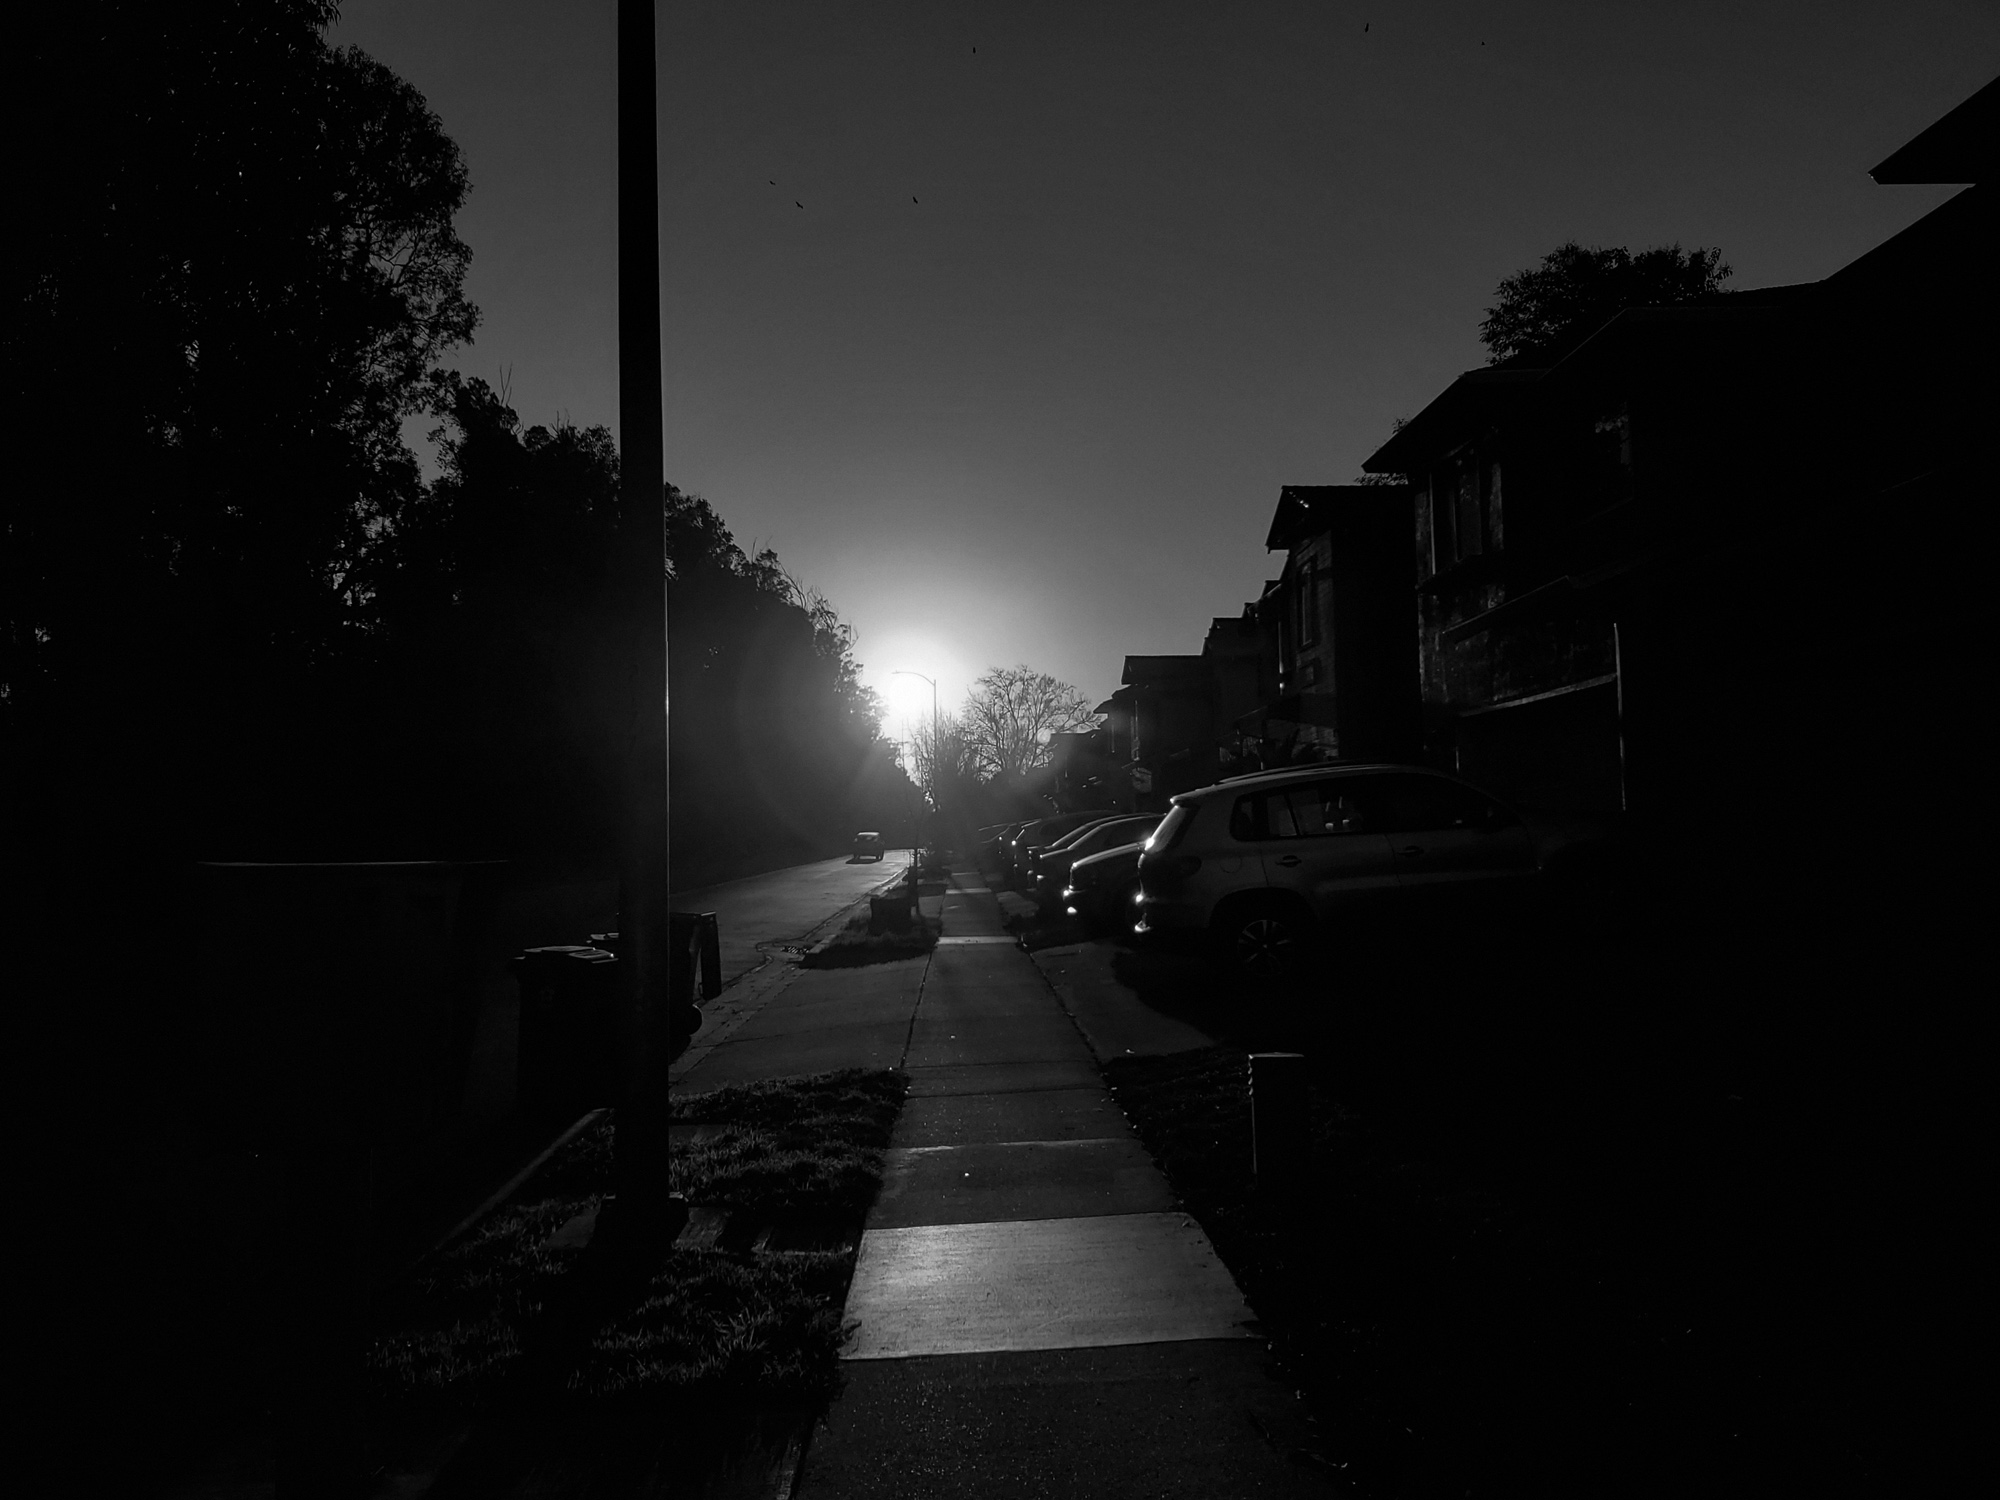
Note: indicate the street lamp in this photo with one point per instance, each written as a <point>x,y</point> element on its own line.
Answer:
<point>931,777</point>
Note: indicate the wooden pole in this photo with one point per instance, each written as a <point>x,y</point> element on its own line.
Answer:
<point>645,922</point>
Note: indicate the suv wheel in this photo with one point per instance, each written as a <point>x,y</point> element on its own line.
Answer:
<point>1263,942</point>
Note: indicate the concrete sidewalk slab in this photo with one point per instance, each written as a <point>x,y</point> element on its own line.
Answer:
<point>944,1043</point>
<point>817,999</point>
<point>1037,1115</point>
<point>994,1181</point>
<point>1002,1077</point>
<point>822,1019</point>
<point>1040,1284</point>
<point>1195,1421</point>
<point>1108,1012</point>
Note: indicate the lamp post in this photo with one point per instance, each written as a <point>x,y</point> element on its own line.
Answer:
<point>645,922</point>
<point>931,777</point>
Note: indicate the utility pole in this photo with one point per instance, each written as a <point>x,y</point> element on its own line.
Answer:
<point>645,871</point>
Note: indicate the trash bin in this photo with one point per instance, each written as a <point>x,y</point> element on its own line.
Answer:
<point>566,1061</point>
<point>697,963</point>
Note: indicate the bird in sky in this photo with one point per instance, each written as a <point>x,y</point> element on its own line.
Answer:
<point>797,204</point>
<point>913,198</point>
<point>774,182</point>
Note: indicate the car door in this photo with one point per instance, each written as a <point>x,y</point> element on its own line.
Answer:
<point>1313,839</point>
<point>1447,837</point>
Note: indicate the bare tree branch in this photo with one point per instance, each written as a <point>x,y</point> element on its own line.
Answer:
<point>1012,716</point>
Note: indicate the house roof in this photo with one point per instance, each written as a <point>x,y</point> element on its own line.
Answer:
<point>1474,399</point>
<point>1147,670</point>
<point>1306,508</point>
<point>1963,146</point>
<point>1479,399</point>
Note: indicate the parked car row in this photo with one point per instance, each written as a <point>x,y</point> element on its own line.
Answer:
<point>1258,867</point>
<point>1083,864</point>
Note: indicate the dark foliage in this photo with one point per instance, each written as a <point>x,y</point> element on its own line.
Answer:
<point>234,288</point>
<point>1545,311</point>
<point>237,268</point>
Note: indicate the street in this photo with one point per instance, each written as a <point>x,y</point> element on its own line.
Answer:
<point>759,914</point>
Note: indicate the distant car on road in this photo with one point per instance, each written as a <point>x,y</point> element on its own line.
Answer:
<point>866,844</point>
<point>1261,865</point>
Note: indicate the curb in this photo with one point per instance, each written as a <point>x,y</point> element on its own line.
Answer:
<point>750,991</point>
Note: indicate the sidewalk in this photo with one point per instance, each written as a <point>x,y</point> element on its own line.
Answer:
<point>1031,1314</point>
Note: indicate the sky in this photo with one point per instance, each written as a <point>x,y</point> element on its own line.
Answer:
<point>1005,323</point>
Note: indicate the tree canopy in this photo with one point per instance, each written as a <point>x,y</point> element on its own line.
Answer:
<point>236,281</point>
<point>1548,309</point>
<point>1012,716</point>
<point>239,270</point>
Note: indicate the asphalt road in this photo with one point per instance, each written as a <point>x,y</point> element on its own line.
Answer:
<point>761,914</point>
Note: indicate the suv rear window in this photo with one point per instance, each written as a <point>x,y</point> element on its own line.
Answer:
<point>1172,826</point>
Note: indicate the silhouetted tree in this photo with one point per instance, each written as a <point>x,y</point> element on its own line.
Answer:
<point>494,588</point>
<point>1013,714</point>
<point>944,754</point>
<point>233,269</point>
<point>1548,309</point>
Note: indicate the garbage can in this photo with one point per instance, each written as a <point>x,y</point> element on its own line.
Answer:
<point>567,1053</point>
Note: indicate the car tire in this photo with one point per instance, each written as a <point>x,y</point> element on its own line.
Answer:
<point>1264,940</point>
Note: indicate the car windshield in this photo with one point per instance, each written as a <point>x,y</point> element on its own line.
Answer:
<point>1076,836</point>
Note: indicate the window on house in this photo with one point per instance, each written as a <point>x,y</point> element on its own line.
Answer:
<point>1443,549</point>
<point>1309,674</point>
<point>1495,530</point>
<point>1468,528</point>
<point>1308,605</point>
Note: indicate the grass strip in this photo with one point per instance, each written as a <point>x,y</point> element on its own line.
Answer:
<point>799,1145</point>
<point>763,1326</point>
<point>709,1321</point>
<point>857,943</point>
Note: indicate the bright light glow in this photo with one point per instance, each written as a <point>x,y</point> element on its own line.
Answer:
<point>908,698</point>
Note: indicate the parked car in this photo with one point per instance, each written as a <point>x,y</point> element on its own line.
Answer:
<point>1049,868</point>
<point>1062,842</point>
<point>868,843</point>
<point>1103,888</point>
<point>993,849</point>
<point>1039,835</point>
<point>1261,865</point>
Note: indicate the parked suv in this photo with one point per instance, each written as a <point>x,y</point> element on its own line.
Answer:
<point>1260,864</point>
